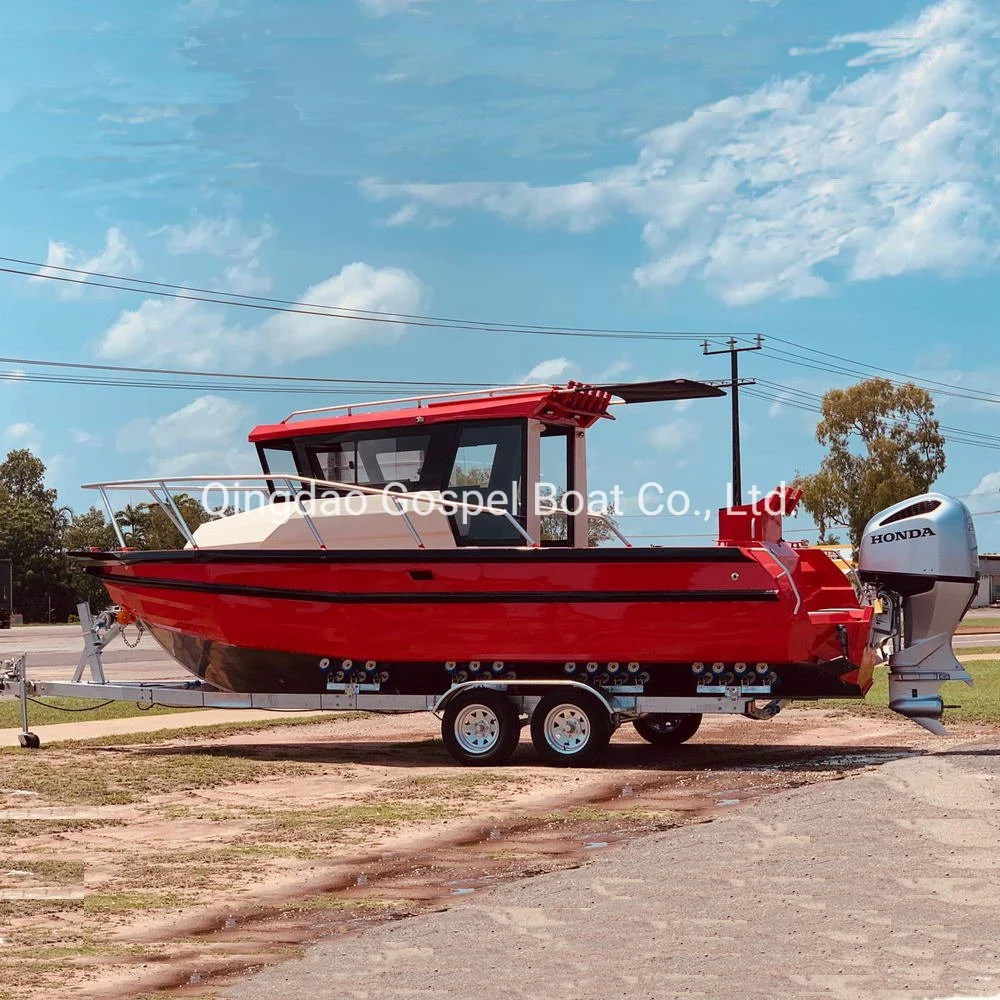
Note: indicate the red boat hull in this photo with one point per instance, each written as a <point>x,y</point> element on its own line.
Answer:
<point>274,621</point>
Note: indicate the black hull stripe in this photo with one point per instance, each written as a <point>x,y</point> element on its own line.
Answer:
<point>716,554</point>
<point>446,597</point>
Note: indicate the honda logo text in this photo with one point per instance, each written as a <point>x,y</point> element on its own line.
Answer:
<point>902,536</point>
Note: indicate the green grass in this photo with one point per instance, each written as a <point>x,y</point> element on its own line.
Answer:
<point>126,902</point>
<point>76,710</point>
<point>215,732</point>
<point>117,778</point>
<point>979,703</point>
<point>977,650</point>
<point>42,870</point>
<point>350,817</point>
<point>595,814</point>
<point>25,829</point>
<point>979,625</point>
<point>335,903</point>
<point>480,784</point>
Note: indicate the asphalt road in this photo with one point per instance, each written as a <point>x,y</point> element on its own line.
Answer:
<point>881,886</point>
<point>988,639</point>
<point>53,651</point>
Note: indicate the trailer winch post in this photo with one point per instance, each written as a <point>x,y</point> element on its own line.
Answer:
<point>93,644</point>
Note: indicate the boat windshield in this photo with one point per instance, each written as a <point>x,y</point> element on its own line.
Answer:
<point>480,463</point>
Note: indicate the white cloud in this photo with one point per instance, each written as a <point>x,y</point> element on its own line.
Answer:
<point>225,236</point>
<point>674,435</point>
<point>198,334</point>
<point>614,372</point>
<point>118,256</point>
<point>891,171</point>
<point>246,278</point>
<point>230,238</point>
<point>578,206</point>
<point>172,329</point>
<point>142,114</point>
<point>200,438</point>
<point>940,24</point>
<point>407,213</point>
<point>380,8</point>
<point>358,287</point>
<point>23,435</point>
<point>83,437</point>
<point>206,10</point>
<point>988,488</point>
<point>20,431</point>
<point>547,371</point>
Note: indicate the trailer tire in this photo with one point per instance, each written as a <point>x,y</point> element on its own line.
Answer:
<point>571,728</point>
<point>481,728</point>
<point>667,730</point>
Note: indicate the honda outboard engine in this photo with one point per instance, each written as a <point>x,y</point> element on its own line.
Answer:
<point>921,557</point>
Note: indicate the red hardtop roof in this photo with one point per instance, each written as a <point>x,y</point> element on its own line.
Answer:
<point>573,405</point>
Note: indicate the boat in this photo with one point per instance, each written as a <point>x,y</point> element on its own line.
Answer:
<point>422,548</point>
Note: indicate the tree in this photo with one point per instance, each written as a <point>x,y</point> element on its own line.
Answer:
<point>146,525</point>
<point>555,527</point>
<point>31,530</point>
<point>883,445</point>
<point>88,531</point>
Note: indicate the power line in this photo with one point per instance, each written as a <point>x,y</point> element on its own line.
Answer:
<point>787,357</point>
<point>863,364</point>
<point>82,380</point>
<point>816,396</point>
<point>952,435</point>
<point>164,289</point>
<point>238,375</point>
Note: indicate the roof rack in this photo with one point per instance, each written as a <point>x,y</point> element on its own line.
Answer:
<point>349,408</point>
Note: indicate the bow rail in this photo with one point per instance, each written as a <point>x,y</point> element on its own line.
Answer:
<point>162,490</point>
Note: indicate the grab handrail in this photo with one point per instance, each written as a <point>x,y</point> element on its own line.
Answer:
<point>427,397</point>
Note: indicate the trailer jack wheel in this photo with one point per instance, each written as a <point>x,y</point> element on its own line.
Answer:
<point>481,727</point>
<point>29,741</point>
<point>667,730</point>
<point>570,729</point>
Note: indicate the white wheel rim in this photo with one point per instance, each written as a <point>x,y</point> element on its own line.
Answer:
<point>477,729</point>
<point>567,729</point>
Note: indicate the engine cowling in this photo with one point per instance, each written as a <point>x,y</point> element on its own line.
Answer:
<point>922,555</point>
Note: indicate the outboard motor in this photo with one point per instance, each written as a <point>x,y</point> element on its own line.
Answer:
<point>921,557</point>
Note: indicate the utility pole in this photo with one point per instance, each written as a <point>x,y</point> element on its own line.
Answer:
<point>734,353</point>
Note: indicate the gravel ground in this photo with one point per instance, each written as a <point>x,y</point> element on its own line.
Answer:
<point>883,885</point>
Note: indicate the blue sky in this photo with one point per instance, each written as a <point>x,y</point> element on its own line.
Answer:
<point>822,173</point>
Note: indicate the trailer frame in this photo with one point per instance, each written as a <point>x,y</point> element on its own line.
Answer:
<point>624,703</point>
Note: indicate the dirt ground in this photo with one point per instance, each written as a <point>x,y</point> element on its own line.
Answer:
<point>182,864</point>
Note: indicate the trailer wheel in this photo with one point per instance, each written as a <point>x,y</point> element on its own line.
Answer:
<point>667,730</point>
<point>481,727</point>
<point>570,729</point>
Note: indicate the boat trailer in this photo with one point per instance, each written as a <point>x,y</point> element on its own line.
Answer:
<point>623,703</point>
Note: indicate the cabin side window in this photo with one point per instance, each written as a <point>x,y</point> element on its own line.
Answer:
<point>367,458</point>
<point>370,459</point>
<point>278,460</point>
<point>488,470</point>
<point>555,475</point>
